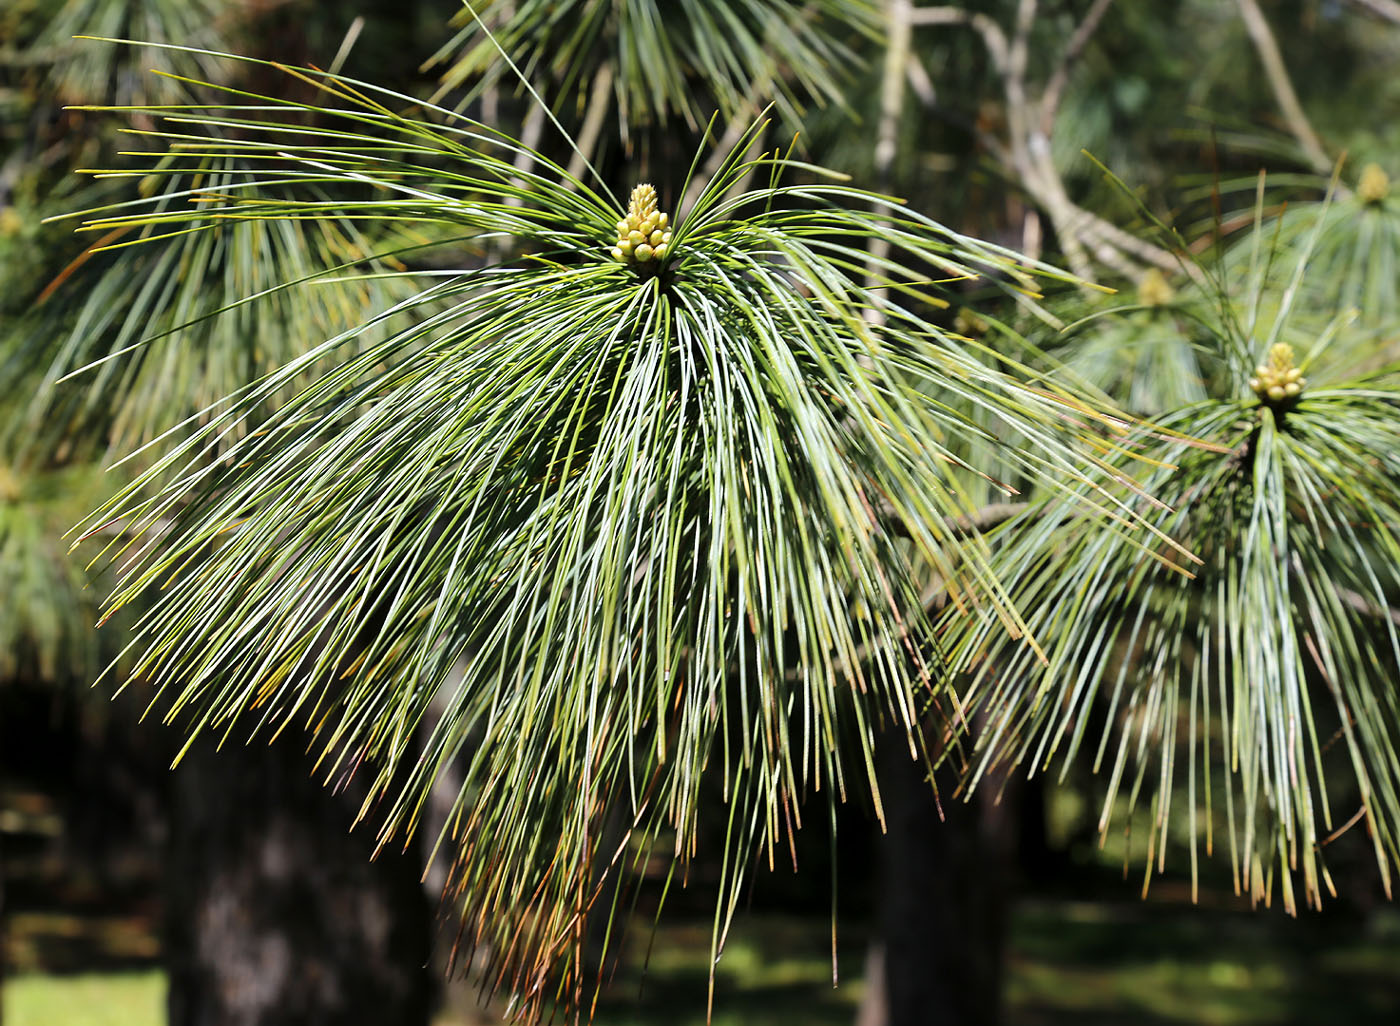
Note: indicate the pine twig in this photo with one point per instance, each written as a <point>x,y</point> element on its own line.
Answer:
<point>1263,38</point>
<point>1387,9</point>
<point>899,36</point>
<point>592,127</point>
<point>1026,153</point>
<point>1059,78</point>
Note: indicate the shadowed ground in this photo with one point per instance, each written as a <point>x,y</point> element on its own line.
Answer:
<point>1090,964</point>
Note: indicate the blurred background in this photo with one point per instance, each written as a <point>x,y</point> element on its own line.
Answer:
<point>115,869</point>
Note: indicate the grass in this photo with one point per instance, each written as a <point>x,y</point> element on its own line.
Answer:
<point>1154,964</point>
<point>100,999</point>
<point>1088,963</point>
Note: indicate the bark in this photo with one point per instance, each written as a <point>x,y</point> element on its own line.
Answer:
<point>276,915</point>
<point>943,898</point>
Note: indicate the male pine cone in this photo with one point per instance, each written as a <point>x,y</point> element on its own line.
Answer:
<point>644,234</point>
<point>1278,379</point>
<point>1374,184</point>
<point>1154,290</point>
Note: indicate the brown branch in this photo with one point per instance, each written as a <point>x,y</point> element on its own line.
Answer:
<point>1021,40</point>
<point>1361,604</point>
<point>899,35</point>
<point>992,35</point>
<point>598,101</point>
<point>1059,79</point>
<point>530,134</point>
<point>1277,74</point>
<point>1027,154</point>
<point>984,519</point>
<point>738,125</point>
<point>1036,168</point>
<point>1356,818</point>
<point>966,525</point>
<point>899,38</point>
<point>1387,9</point>
<point>921,82</point>
<point>347,44</point>
<point>1018,118</point>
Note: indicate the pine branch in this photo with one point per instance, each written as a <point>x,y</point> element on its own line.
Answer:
<point>1026,152</point>
<point>1277,73</point>
<point>1059,79</point>
<point>898,58</point>
<point>1387,9</point>
<point>599,99</point>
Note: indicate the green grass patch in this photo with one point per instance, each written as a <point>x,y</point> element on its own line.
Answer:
<point>1080,963</point>
<point>99,999</point>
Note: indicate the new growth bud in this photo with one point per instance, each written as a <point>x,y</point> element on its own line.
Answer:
<point>644,235</point>
<point>1278,380</point>
<point>1374,184</point>
<point>1153,290</point>
<point>968,324</point>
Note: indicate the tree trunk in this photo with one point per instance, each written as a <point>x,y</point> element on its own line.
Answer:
<point>276,914</point>
<point>942,903</point>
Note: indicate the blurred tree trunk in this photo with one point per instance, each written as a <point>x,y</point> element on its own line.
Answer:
<point>942,894</point>
<point>276,914</point>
